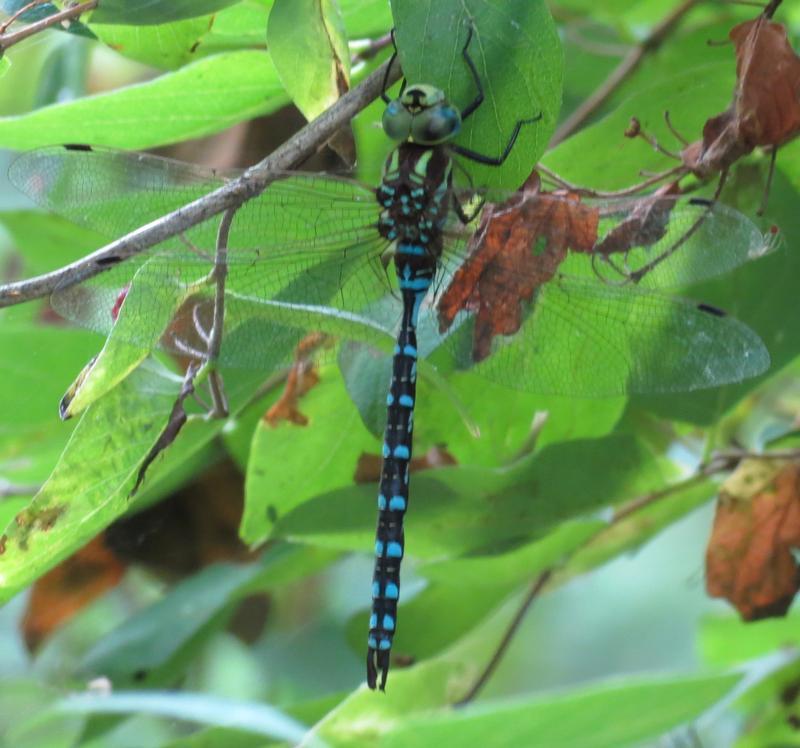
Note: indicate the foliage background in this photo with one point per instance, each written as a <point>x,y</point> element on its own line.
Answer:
<point>622,647</point>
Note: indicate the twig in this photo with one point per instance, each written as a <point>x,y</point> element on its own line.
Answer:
<point>626,192</point>
<point>720,462</point>
<point>628,64</point>
<point>533,593</point>
<point>232,194</point>
<point>18,13</point>
<point>370,48</point>
<point>220,274</point>
<point>68,14</point>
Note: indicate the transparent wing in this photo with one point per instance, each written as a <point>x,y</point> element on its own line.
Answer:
<point>305,255</point>
<point>648,241</point>
<point>585,339</point>
<point>552,294</point>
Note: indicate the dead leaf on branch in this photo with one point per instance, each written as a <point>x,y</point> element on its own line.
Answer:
<point>750,560</point>
<point>301,379</point>
<point>646,224</point>
<point>67,588</point>
<point>765,110</point>
<point>518,247</point>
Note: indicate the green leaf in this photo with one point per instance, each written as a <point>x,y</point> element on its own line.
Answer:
<point>587,159</point>
<point>484,508</point>
<point>165,46</point>
<point>261,719</point>
<point>364,18</point>
<point>171,45</point>
<point>143,12</point>
<point>462,592</point>
<point>727,640</point>
<point>26,720</point>
<point>200,99</point>
<point>90,484</point>
<point>280,476</point>
<point>613,715</point>
<point>151,646</point>
<point>308,44</point>
<point>518,57</point>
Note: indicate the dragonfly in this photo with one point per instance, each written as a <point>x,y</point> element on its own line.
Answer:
<point>311,254</point>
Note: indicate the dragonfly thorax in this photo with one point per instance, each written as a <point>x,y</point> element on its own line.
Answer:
<point>414,194</point>
<point>421,114</point>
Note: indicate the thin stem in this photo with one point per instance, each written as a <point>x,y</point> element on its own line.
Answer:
<point>68,14</point>
<point>617,76</point>
<point>721,462</point>
<point>626,192</point>
<point>232,194</point>
<point>20,11</point>
<point>642,271</point>
<point>219,274</point>
<point>372,48</point>
<point>533,592</point>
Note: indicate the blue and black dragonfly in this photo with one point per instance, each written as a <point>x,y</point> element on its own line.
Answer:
<point>311,252</point>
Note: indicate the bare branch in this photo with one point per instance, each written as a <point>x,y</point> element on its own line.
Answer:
<point>627,65</point>
<point>69,14</point>
<point>231,195</point>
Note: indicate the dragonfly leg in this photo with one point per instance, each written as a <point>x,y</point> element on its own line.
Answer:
<point>495,160</point>
<point>470,109</point>
<point>385,85</point>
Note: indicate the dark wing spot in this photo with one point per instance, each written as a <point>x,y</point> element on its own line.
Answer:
<point>272,514</point>
<point>701,201</point>
<point>77,147</point>
<point>711,310</point>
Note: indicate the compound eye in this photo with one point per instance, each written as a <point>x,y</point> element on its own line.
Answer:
<point>436,125</point>
<point>396,121</point>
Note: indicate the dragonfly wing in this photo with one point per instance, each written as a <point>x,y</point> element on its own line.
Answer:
<point>113,192</point>
<point>653,241</point>
<point>303,255</point>
<point>584,339</point>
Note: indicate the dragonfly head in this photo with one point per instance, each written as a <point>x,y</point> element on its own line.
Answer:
<point>422,115</point>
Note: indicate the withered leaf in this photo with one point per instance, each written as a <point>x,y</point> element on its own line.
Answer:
<point>765,110</point>
<point>302,377</point>
<point>67,588</point>
<point>749,559</point>
<point>518,247</point>
<point>646,223</point>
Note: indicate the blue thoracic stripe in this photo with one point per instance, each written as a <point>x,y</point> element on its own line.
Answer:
<point>411,249</point>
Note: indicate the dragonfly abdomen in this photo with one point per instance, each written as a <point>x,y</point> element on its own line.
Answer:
<point>414,195</point>
<point>415,270</point>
